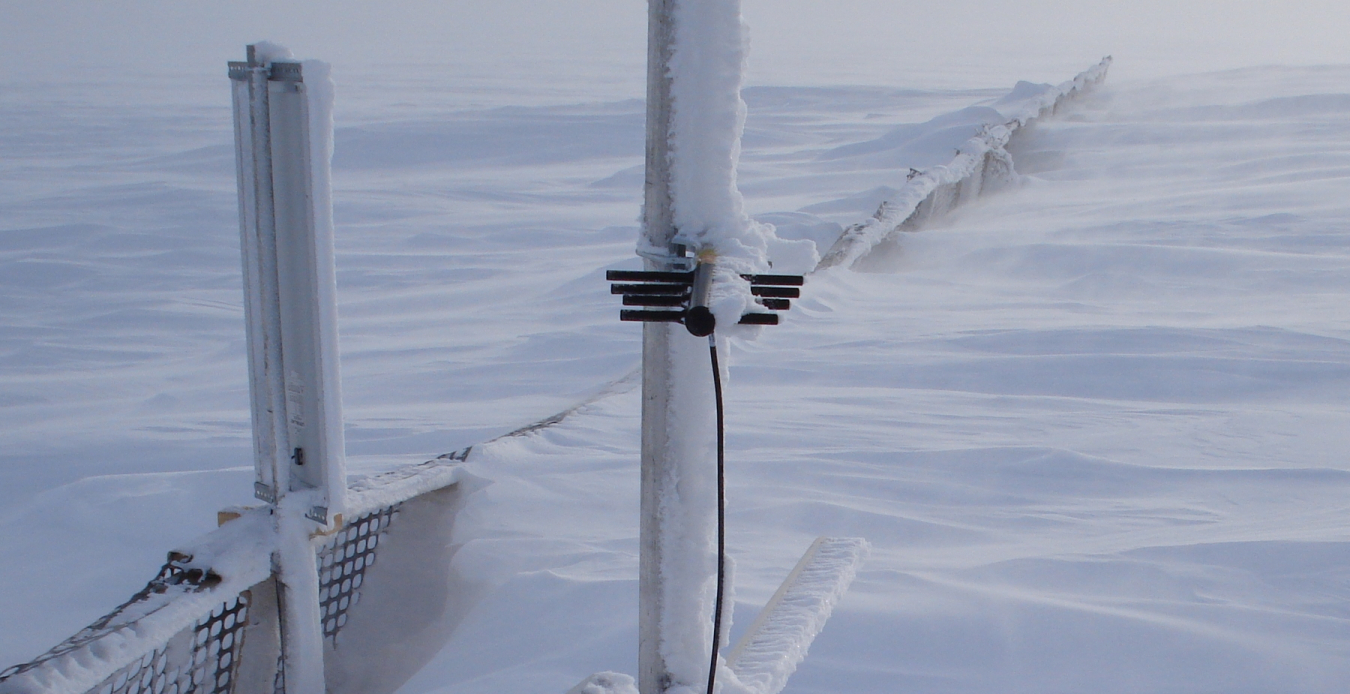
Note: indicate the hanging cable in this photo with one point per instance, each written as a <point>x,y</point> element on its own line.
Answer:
<point>721,513</point>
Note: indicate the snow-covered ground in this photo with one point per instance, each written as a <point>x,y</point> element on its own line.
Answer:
<point>1094,426</point>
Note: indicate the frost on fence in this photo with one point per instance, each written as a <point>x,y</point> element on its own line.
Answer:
<point>201,657</point>
<point>981,164</point>
<point>198,659</point>
<point>208,622</point>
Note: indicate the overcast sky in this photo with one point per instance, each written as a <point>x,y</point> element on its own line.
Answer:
<point>793,41</point>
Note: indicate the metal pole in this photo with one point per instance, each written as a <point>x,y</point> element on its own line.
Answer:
<point>269,298</point>
<point>290,308</point>
<point>262,305</point>
<point>288,287</point>
<point>657,231</point>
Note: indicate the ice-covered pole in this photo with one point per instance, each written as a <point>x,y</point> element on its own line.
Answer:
<point>661,254</point>
<point>696,53</point>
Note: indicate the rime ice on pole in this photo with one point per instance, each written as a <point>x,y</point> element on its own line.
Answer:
<point>708,116</point>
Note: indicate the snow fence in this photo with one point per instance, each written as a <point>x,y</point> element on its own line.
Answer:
<point>981,165</point>
<point>209,620</point>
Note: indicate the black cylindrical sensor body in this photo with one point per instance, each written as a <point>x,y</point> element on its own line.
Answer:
<point>698,320</point>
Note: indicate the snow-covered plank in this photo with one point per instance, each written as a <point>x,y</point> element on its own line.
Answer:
<point>777,641</point>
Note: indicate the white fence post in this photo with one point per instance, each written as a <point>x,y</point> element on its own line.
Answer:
<point>282,142</point>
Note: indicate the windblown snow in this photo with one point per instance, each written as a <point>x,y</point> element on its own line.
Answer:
<point>1093,426</point>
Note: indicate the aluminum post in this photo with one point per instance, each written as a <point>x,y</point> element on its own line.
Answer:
<point>658,230</point>
<point>262,305</point>
<point>288,286</point>
<point>290,312</point>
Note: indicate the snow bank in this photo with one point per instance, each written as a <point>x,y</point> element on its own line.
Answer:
<point>606,683</point>
<point>406,599</point>
<point>981,163</point>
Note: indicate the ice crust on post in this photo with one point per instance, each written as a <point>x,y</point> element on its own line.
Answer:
<point>320,90</point>
<point>689,518</point>
<point>304,652</point>
<point>707,71</point>
<point>284,136</point>
<point>707,119</point>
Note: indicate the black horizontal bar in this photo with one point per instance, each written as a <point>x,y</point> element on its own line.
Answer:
<point>680,289</point>
<point>759,319</point>
<point>777,280</point>
<point>776,304</point>
<point>652,316</point>
<point>654,300</point>
<point>779,292</point>
<point>646,276</point>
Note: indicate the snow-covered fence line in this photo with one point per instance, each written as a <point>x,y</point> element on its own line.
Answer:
<point>269,601</point>
<point>210,622</point>
<point>981,165</point>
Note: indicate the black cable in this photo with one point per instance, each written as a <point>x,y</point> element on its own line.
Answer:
<point>721,512</point>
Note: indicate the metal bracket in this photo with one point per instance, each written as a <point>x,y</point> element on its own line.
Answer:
<point>318,514</point>
<point>264,493</point>
<point>673,258</point>
<point>285,72</point>
<point>277,71</point>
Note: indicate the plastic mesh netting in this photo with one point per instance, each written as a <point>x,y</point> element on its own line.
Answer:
<point>200,659</point>
<point>185,632</point>
<point>343,562</point>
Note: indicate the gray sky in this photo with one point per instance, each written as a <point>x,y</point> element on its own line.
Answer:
<point>794,41</point>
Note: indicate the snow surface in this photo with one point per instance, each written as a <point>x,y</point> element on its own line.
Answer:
<point>1094,427</point>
